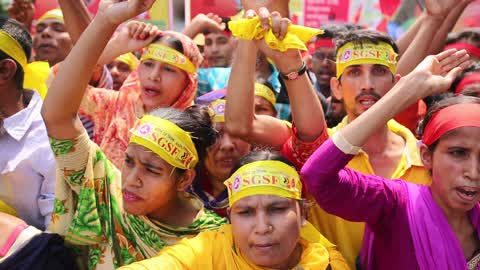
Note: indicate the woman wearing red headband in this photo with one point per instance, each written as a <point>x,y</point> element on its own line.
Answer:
<point>411,226</point>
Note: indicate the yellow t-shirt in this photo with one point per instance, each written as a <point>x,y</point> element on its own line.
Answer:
<point>348,235</point>
<point>216,250</point>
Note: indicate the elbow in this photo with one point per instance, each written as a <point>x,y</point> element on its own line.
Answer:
<point>238,129</point>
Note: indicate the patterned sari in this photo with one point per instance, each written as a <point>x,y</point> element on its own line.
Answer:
<point>89,211</point>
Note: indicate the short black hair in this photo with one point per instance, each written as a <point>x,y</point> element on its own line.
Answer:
<point>469,36</point>
<point>19,33</point>
<point>258,156</point>
<point>332,30</point>
<point>471,69</point>
<point>359,37</point>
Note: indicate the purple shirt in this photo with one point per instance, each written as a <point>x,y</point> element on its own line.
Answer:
<point>354,196</point>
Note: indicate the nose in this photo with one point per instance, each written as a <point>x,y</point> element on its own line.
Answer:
<point>367,82</point>
<point>262,224</point>
<point>46,33</point>
<point>215,48</point>
<point>472,170</point>
<point>132,178</point>
<point>114,71</point>
<point>155,72</point>
<point>226,142</point>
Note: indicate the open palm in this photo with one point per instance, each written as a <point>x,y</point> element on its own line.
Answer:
<point>118,11</point>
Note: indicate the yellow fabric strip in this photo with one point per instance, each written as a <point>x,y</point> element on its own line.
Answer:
<point>52,14</point>
<point>368,53</point>
<point>35,73</point>
<point>129,59</point>
<point>170,56</point>
<point>295,38</point>
<point>217,108</point>
<point>170,142</point>
<point>264,91</point>
<point>7,209</point>
<point>266,177</point>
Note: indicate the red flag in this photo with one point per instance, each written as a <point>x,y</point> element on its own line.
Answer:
<point>389,7</point>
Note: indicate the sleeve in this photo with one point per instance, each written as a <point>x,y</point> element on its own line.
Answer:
<point>337,261</point>
<point>347,193</point>
<point>85,192</point>
<point>47,189</point>
<point>192,253</point>
<point>298,151</point>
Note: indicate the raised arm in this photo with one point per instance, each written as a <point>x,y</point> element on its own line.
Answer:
<point>76,17</point>
<point>432,75</point>
<point>67,89</point>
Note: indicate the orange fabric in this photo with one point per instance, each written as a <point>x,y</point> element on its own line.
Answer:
<point>114,113</point>
<point>411,117</point>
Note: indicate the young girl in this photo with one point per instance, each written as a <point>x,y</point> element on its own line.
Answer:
<point>129,215</point>
<point>411,226</point>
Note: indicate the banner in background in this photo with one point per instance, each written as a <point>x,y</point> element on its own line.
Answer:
<point>224,8</point>
<point>317,12</point>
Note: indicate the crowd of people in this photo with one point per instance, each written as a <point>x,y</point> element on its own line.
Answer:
<point>239,143</point>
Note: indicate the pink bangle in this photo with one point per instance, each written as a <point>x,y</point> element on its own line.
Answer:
<point>12,238</point>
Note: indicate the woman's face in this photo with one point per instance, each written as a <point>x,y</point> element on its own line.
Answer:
<point>222,156</point>
<point>455,167</point>
<point>263,107</point>
<point>266,228</point>
<point>161,83</point>
<point>148,182</point>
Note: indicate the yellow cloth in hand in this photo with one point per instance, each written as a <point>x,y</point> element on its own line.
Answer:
<point>295,38</point>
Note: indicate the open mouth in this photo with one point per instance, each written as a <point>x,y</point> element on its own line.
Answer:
<point>468,194</point>
<point>151,92</point>
<point>130,197</point>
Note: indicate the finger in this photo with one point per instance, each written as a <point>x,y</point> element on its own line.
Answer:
<point>146,30</point>
<point>445,54</point>
<point>276,24</point>
<point>154,31</point>
<point>285,22</point>
<point>139,31</point>
<point>454,61</point>
<point>452,74</point>
<point>264,16</point>
<point>250,14</point>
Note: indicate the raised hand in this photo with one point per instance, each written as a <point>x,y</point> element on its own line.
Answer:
<point>201,23</point>
<point>439,71</point>
<point>439,7</point>
<point>280,6</point>
<point>22,11</point>
<point>118,11</point>
<point>279,28</point>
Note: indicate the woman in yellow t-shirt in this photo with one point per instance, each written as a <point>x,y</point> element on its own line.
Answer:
<point>268,228</point>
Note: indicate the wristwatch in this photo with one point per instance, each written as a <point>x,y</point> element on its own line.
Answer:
<point>294,74</point>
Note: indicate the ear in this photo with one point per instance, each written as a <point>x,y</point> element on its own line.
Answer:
<point>8,68</point>
<point>336,88</point>
<point>186,179</point>
<point>427,156</point>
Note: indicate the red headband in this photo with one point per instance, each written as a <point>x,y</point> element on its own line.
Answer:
<point>470,48</point>
<point>450,118</point>
<point>467,80</point>
<point>321,43</point>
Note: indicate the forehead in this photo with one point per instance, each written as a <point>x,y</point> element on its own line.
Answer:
<point>216,36</point>
<point>467,137</point>
<point>259,201</point>
<point>325,50</point>
<point>50,21</point>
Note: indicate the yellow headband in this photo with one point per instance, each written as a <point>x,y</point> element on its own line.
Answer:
<point>52,14</point>
<point>170,56</point>
<point>36,73</point>
<point>266,92</point>
<point>167,140</point>
<point>266,177</point>
<point>295,38</point>
<point>367,53</point>
<point>129,59</point>
<point>218,110</point>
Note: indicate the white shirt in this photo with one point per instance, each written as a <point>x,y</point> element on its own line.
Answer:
<point>27,164</point>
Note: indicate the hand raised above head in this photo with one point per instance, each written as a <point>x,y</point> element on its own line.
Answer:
<point>118,11</point>
<point>439,71</point>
